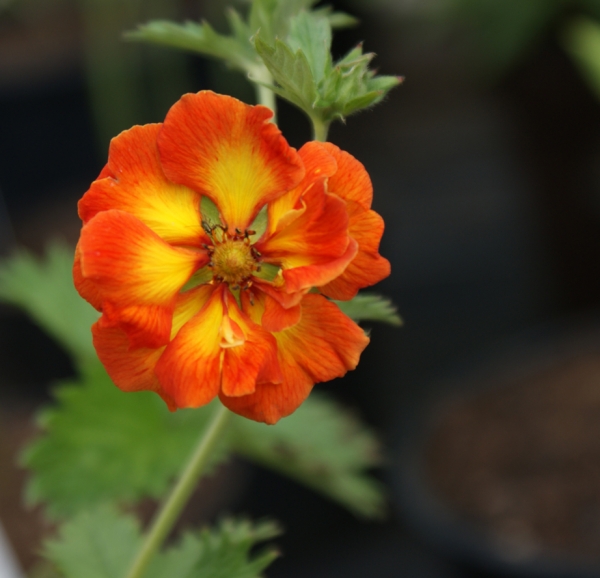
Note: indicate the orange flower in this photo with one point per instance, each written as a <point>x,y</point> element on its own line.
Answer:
<point>203,241</point>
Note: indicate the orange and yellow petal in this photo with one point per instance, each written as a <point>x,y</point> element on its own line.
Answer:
<point>133,181</point>
<point>137,274</point>
<point>219,348</point>
<point>86,288</point>
<point>317,243</point>
<point>323,345</point>
<point>190,367</point>
<point>228,151</point>
<point>318,165</point>
<point>368,267</point>
<point>268,311</point>
<point>130,370</point>
<point>251,362</point>
<point>351,181</point>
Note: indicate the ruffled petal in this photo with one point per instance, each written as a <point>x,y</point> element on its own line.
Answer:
<point>368,267</point>
<point>317,242</point>
<point>318,165</point>
<point>254,360</point>
<point>228,151</point>
<point>134,369</point>
<point>130,370</point>
<point>218,348</point>
<point>324,344</point>
<point>268,312</point>
<point>133,181</point>
<point>190,367</point>
<point>137,275</point>
<point>86,288</point>
<point>351,180</point>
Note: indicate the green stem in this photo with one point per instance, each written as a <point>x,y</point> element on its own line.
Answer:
<point>171,508</point>
<point>320,129</point>
<point>265,96</point>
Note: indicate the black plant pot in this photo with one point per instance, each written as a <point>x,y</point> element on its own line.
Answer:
<point>529,399</point>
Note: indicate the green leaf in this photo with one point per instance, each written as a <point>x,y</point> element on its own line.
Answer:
<point>322,447</point>
<point>312,35</point>
<point>202,39</point>
<point>101,543</point>
<point>102,444</point>
<point>291,71</point>
<point>340,20</point>
<point>96,544</point>
<point>223,552</point>
<point>370,307</point>
<point>272,17</point>
<point>304,74</point>
<point>44,289</point>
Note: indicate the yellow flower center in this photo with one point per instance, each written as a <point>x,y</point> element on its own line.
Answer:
<point>233,261</point>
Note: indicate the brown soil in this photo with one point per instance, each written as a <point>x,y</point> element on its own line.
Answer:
<point>522,460</point>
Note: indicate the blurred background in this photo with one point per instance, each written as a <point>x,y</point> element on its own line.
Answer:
<point>486,169</point>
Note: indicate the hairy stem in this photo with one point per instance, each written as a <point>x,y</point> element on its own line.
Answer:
<point>320,129</point>
<point>171,508</point>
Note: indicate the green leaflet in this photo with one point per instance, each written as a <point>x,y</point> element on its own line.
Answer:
<point>101,444</point>
<point>290,41</point>
<point>100,543</point>
<point>44,289</point>
<point>370,307</point>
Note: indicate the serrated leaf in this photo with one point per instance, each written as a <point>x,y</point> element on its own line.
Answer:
<point>323,447</point>
<point>272,17</point>
<point>44,289</point>
<point>361,102</point>
<point>290,70</point>
<point>96,544</point>
<point>200,38</point>
<point>312,35</point>
<point>238,25</point>
<point>341,20</point>
<point>223,552</point>
<point>101,543</point>
<point>370,307</point>
<point>102,444</point>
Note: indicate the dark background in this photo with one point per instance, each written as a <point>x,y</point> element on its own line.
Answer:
<point>486,169</point>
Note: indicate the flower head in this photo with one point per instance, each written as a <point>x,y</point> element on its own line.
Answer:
<point>211,247</point>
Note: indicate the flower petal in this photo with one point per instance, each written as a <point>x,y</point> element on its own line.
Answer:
<point>253,361</point>
<point>318,165</point>
<point>228,151</point>
<point>351,180</point>
<point>133,181</point>
<point>133,369</point>
<point>190,367</point>
<point>130,370</point>
<point>268,311</point>
<point>316,243</point>
<point>324,344</point>
<point>137,275</point>
<point>368,267</point>
<point>86,288</point>
<point>218,348</point>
